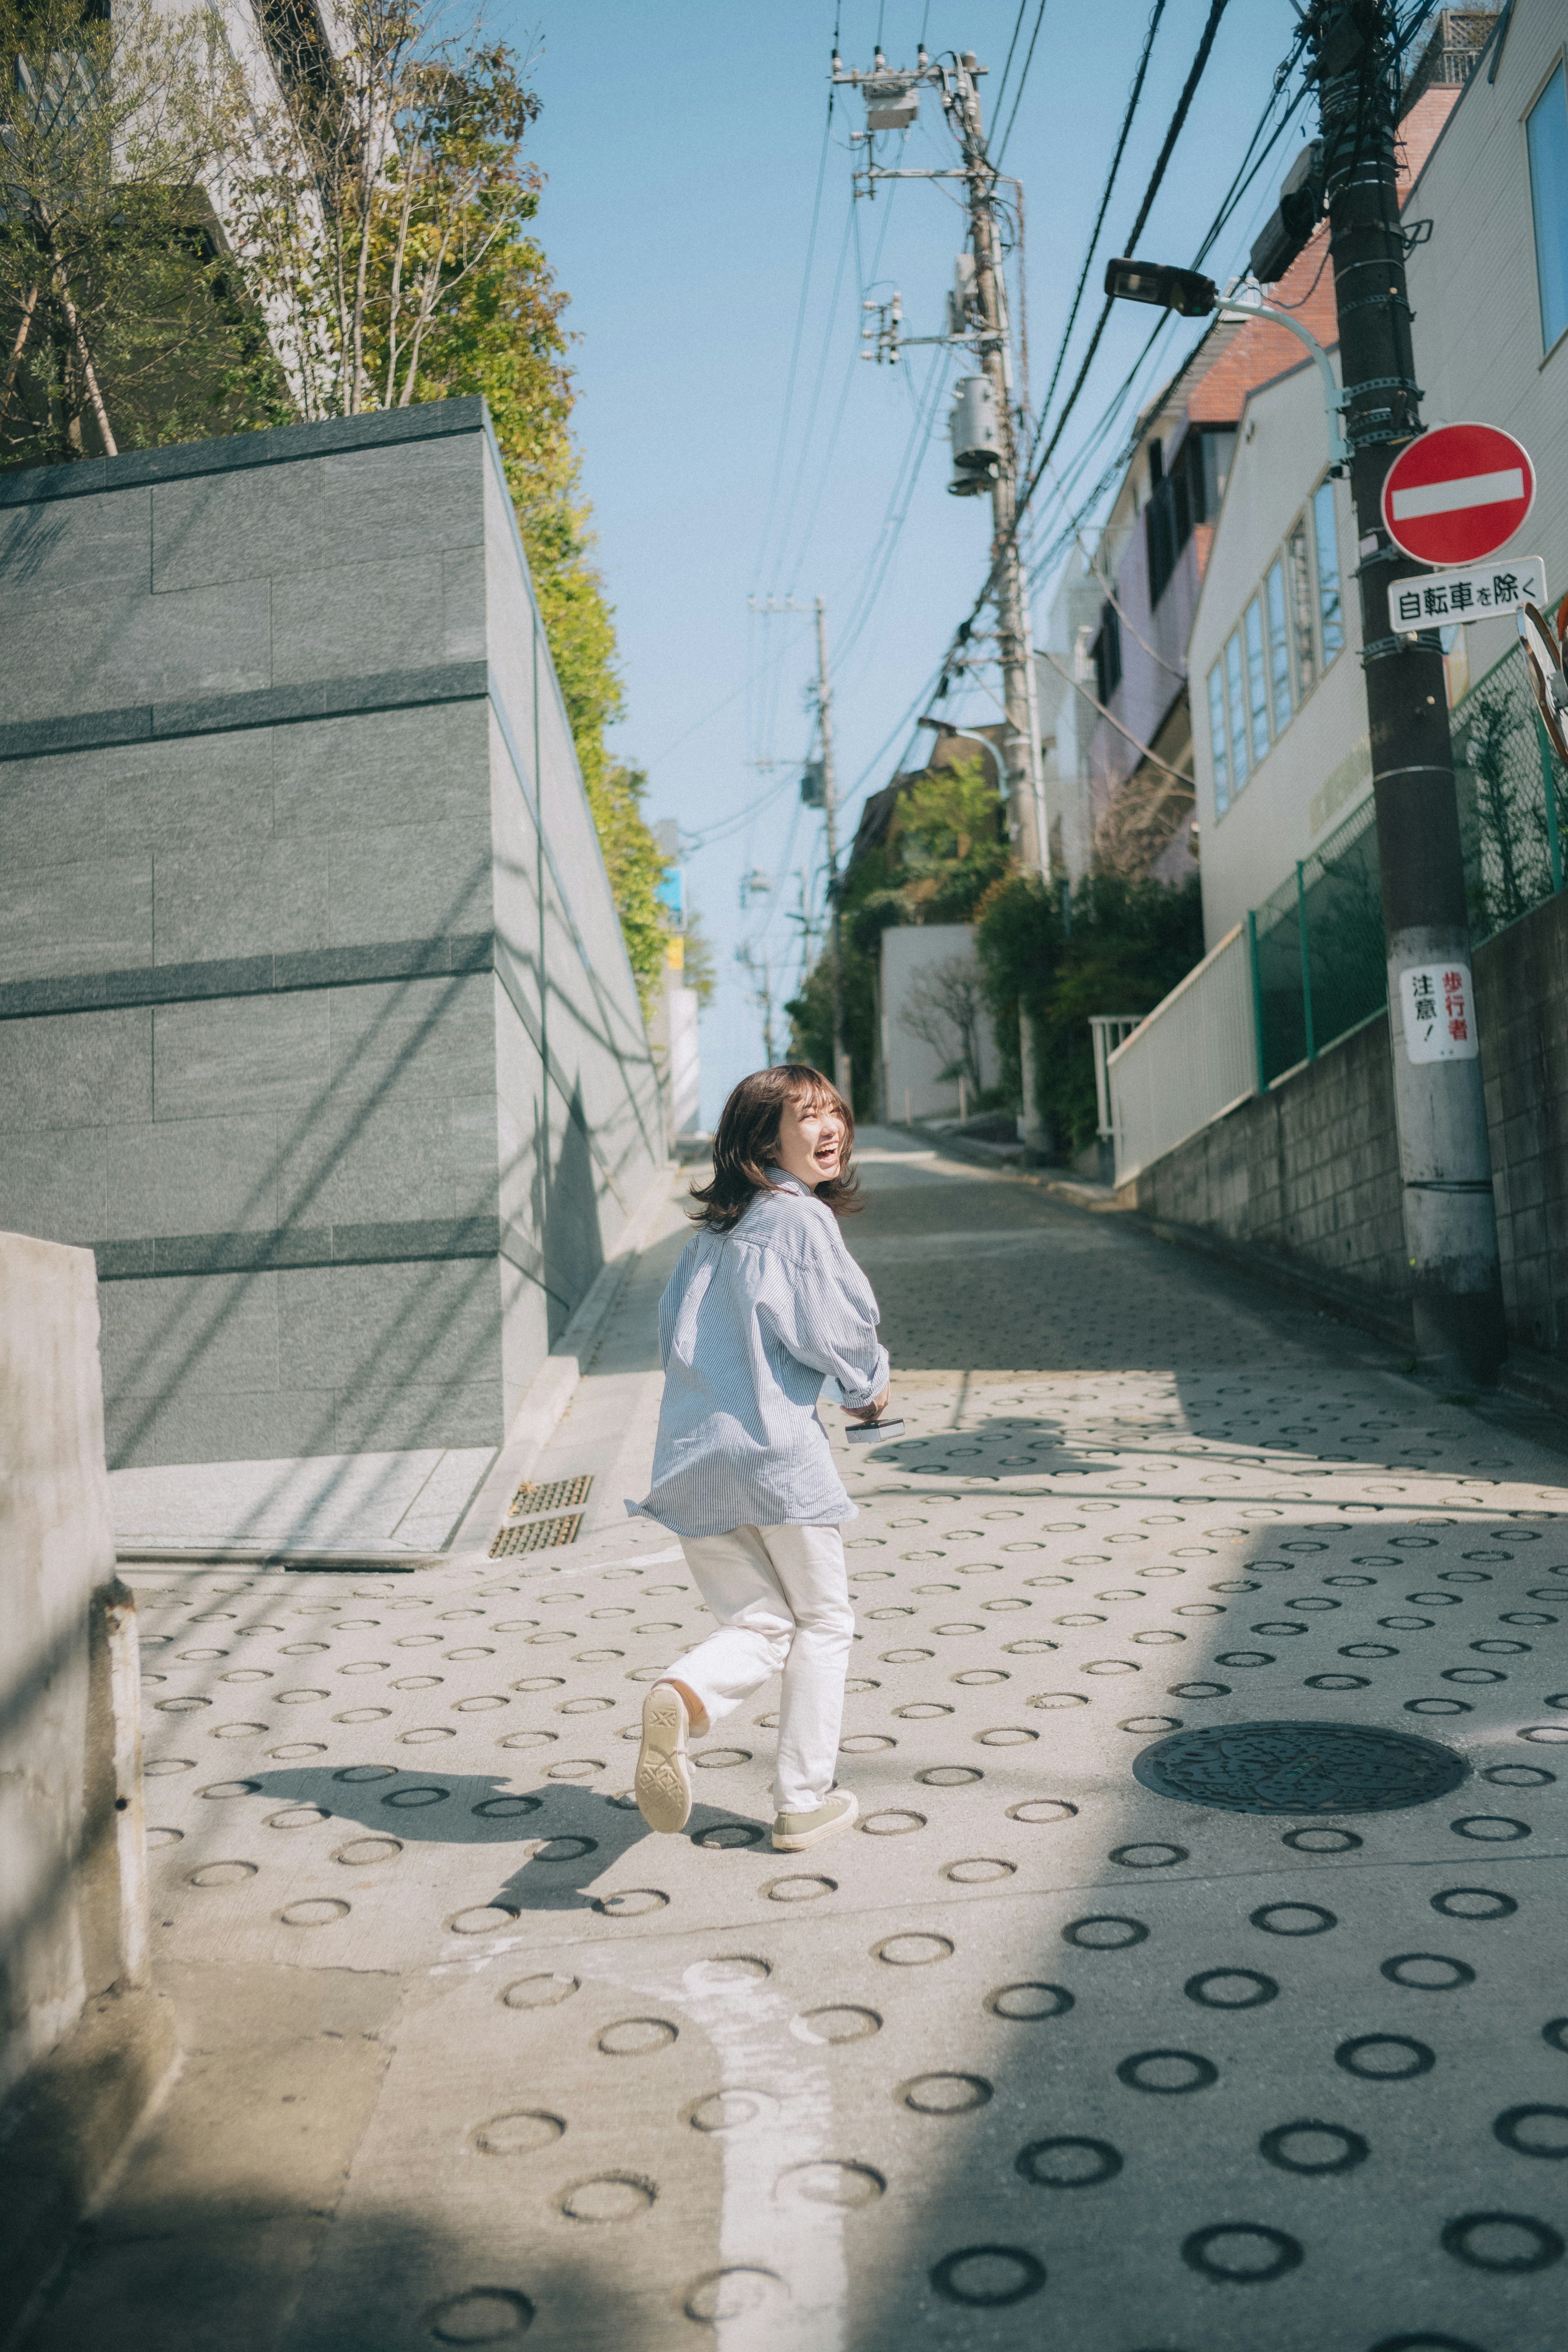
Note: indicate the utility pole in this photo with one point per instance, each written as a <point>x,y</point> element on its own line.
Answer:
<point>892,100</point>
<point>1450,1219</point>
<point>1025,796</point>
<point>843,1074</point>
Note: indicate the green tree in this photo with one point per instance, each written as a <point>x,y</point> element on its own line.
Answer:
<point>126,319</point>
<point>1118,947</point>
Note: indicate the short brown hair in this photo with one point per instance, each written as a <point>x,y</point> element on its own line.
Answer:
<point>748,1137</point>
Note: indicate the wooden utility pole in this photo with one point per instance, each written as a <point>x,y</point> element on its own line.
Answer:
<point>843,1072</point>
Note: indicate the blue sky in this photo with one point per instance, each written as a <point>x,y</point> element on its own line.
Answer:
<point>682,144</point>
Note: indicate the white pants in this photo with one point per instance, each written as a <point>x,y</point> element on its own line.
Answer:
<point>782,1599</point>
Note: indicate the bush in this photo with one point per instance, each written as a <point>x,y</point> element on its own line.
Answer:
<point>1114,946</point>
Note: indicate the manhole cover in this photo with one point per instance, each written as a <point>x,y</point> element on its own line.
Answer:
<point>1299,1768</point>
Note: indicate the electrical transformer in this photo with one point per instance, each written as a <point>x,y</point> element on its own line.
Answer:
<point>977,443</point>
<point>891,105</point>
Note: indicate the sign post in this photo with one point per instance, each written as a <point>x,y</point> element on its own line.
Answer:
<point>1450,497</point>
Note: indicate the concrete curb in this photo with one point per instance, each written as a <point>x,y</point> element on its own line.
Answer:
<point>551,1390</point>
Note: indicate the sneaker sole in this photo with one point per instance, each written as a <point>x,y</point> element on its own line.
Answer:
<point>801,1839</point>
<point>663,1784</point>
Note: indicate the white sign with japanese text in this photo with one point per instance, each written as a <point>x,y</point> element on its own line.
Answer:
<point>1439,1012</point>
<point>1473,595</point>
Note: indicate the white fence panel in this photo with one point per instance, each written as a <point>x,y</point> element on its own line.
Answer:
<point>1194,1056</point>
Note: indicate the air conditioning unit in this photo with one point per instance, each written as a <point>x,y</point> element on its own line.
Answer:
<point>977,441</point>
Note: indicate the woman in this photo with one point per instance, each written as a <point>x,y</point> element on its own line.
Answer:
<point>765,1303</point>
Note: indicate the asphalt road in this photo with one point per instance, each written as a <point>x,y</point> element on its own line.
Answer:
<point>1068,2042</point>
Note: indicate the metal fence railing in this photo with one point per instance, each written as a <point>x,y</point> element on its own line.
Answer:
<point>1504,768</point>
<point>1308,965</point>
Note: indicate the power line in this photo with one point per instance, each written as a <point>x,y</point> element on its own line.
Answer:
<point>1018,94</point>
<point>1133,97</point>
<point>1018,28</point>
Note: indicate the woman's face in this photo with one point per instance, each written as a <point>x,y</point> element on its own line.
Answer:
<point>811,1139</point>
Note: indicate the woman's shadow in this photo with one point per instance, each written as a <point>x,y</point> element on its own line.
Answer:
<point>566,1838</point>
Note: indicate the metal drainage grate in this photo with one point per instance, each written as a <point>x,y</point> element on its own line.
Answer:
<point>539,1535</point>
<point>1299,1768</point>
<point>559,1495</point>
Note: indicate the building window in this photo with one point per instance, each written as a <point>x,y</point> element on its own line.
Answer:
<point>1279,646</point>
<point>1299,599</point>
<point>1107,653</point>
<point>1546,138</point>
<point>1218,741</point>
<point>1233,688</point>
<point>1178,502</point>
<point>1256,682</point>
<point>1329,613</point>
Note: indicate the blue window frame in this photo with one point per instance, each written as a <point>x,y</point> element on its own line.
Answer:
<point>1546,140</point>
<point>1218,741</point>
<point>1256,682</point>
<point>1238,708</point>
<point>1278,646</point>
<point>1330,618</point>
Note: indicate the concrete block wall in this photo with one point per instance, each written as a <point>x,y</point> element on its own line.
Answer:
<point>83,2044</point>
<point>1309,1170</point>
<point>315,1020</point>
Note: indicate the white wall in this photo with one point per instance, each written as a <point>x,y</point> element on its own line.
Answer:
<point>1479,345</point>
<point>1320,765</point>
<point>911,1066</point>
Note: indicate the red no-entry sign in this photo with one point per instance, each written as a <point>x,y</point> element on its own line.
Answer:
<point>1457,493</point>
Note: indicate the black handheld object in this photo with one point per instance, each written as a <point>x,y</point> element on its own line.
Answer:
<point>873,1433</point>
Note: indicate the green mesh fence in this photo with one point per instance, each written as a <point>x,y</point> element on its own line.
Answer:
<point>1503,770</point>
<point>1316,942</point>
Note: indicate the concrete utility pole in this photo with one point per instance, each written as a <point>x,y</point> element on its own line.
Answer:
<point>1450,1219</point>
<point>843,1072</point>
<point>1026,796</point>
<point>892,104</point>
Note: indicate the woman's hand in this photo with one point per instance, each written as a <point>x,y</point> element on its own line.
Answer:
<point>872,1412</point>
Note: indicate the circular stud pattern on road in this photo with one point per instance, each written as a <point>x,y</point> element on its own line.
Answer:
<point>481,2314</point>
<point>1026,2004</point>
<point>1293,1920</point>
<point>1428,1972</point>
<point>944,2094</point>
<point>1507,2244</point>
<point>1231,1988</point>
<point>1168,2072</point>
<point>1386,2057</point>
<point>1149,1856</point>
<point>521,2132</point>
<point>839,2023</point>
<point>1104,1931</point>
<point>634,2037</point>
<point>1241,2252</point>
<point>540,1992</point>
<point>988,2278</point>
<point>1312,2147</point>
<point>911,1951</point>
<point>1299,1768</point>
<point>1474,1903</point>
<point>1533,2131</point>
<point>738,2291</point>
<point>1067,2163</point>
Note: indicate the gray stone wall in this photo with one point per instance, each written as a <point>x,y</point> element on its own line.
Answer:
<point>315,1019</point>
<point>1309,1172</point>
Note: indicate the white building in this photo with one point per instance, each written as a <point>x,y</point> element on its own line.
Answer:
<point>1280,710</point>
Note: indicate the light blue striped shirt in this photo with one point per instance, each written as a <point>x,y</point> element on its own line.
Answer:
<point>751,1325</point>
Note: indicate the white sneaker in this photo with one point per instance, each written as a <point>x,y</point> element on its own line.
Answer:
<point>794,1832</point>
<point>663,1782</point>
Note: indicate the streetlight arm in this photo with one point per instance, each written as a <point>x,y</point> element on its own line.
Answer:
<point>1334,398</point>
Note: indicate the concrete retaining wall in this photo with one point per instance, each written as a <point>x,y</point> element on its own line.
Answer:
<point>82,2044</point>
<point>1309,1172</point>
<point>316,1023</point>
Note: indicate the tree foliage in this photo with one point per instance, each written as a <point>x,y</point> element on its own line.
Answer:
<point>127,321</point>
<point>1117,946</point>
